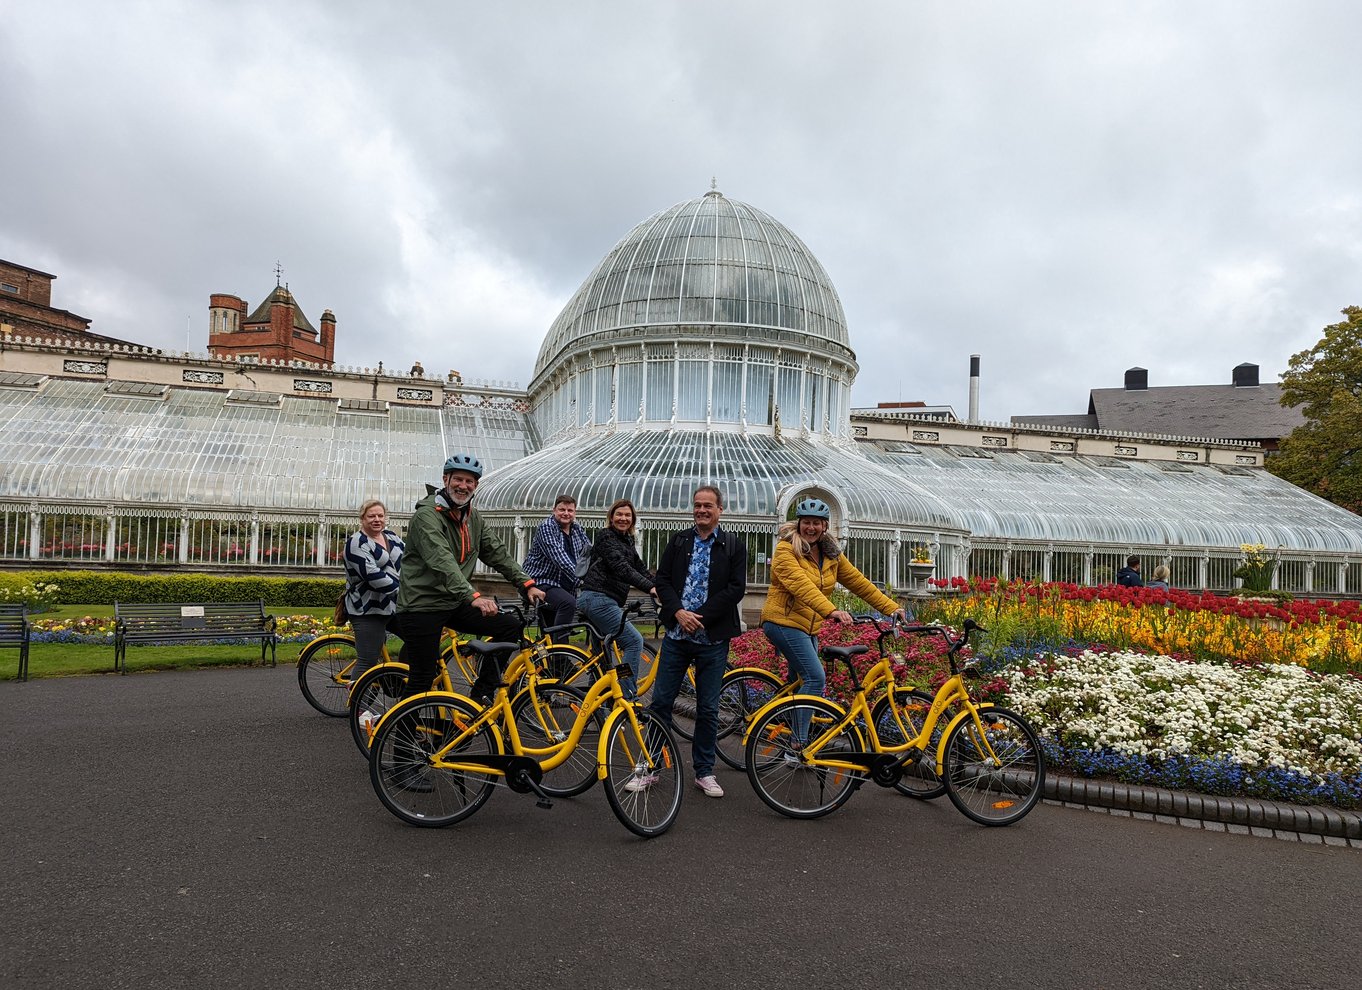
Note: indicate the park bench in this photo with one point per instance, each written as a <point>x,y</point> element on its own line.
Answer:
<point>190,623</point>
<point>15,631</point>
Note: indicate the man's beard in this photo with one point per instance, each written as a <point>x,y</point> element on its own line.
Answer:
<point>454,501</point>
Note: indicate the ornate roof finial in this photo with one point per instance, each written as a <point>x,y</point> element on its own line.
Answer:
<point>714,183</point>
<point>278,274</point>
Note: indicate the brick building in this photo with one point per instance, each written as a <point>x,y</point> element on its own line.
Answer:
<point>276,330</point>
<point>26,309</point>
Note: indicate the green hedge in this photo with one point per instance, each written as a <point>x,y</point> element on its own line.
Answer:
<point>98,588</point>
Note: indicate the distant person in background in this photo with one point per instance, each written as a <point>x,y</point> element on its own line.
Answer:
<point>373,562</point>
<point>1129,576</point>
<point>1160,579</point>
<point>559,551</point>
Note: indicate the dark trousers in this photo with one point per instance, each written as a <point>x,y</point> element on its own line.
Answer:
<point>710,661</point>
<point>420,631</point>
<point>561,606</point>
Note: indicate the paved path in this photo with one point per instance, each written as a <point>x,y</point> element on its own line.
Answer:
<point>209,829</point>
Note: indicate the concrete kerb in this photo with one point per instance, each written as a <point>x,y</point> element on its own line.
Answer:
<point>1246,813</point>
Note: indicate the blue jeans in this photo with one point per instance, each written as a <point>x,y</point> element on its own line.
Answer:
<point>603,613</point>
<point>800,651</point>
<point>710,660</point>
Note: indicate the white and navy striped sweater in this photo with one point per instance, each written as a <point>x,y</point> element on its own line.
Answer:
<point>371,574</point>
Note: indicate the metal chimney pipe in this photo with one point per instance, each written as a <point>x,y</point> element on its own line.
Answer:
<point>973,388</point>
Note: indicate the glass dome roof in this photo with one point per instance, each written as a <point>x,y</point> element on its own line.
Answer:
<point>710,261</point>
<point>658,470</point>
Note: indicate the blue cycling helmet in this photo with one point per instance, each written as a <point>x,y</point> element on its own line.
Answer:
<point>464,462</point>
<point>813,508</point>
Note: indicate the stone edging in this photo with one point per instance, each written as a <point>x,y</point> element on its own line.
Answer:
<point>1247,812</point>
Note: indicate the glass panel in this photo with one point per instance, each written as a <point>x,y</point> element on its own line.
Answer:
<point>630,391</point>
<point>1066,566</point>
<point>727,392</point>
<point>760,378</point>
<point>659,390</point>
<point>692,391</point>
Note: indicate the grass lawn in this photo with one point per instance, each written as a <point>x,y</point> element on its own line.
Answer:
<point>67,659</point>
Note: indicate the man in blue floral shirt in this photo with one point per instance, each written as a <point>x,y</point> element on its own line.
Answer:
<point>701,582</point>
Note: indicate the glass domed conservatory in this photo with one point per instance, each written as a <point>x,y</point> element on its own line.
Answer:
<point>708,346</point>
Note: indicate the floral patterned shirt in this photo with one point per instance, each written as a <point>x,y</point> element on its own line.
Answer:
<point>695,592</point>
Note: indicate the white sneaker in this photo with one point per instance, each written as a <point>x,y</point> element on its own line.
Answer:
<point>710,785</point>
<point>792,759</point>
<point>640,782</point>
<point>367,720</point>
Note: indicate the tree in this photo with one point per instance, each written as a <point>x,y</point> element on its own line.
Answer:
<point>1324,455</point>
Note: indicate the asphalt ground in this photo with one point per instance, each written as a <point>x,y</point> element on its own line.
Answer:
<point>210,829</point>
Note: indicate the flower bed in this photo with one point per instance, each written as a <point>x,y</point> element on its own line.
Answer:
<point>88,629</point>
<point>1259,730</point>
<point>1322,635</point>
<point>1228,726</point>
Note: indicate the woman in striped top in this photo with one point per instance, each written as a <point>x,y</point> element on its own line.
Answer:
<point>373,560</point>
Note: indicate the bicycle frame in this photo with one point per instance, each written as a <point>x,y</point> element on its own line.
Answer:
<point>881,675</point>
<point>500,720</point>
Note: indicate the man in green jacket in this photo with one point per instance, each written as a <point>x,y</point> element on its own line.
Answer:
<point>445,540</point>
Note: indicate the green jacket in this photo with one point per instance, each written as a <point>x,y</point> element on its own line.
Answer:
<point>443,547</point>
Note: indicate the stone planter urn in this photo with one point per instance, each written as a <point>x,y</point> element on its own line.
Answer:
<point>920,571</point>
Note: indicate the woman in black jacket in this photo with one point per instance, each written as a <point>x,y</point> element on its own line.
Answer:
<point>615,568</point>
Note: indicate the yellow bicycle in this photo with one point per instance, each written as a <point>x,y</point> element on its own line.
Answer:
<point>807,755</point>
<point>436,757</point>
<point>897,714</point>
<point>379,687</point>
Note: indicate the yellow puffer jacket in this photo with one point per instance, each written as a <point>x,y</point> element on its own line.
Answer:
<point>799,589</point>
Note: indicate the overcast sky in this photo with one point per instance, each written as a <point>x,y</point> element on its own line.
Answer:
<point>1067,189</point>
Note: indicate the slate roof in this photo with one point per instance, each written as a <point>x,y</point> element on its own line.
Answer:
<point>1218,412</point>
<point>281,294</point>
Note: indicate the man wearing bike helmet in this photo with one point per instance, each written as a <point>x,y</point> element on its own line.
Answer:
<point>445,540</point>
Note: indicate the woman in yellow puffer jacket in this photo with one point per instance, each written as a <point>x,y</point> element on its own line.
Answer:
<point>805,568</point>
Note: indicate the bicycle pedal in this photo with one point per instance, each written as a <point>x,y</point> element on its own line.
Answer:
<point>544,803</point>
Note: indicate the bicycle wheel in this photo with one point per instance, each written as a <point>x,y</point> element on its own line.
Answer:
<point>399,766</point>
<point>742,694</point>
<point>644,789</point>
<point>776,765</point>
<point>995,779</point>
<point>324,669</point>
<point>895,724</point>
<point>570,666</point>
<point>463,669</point>
<point>685,707</point>
<point>544,717</point>
<point>377,690</point>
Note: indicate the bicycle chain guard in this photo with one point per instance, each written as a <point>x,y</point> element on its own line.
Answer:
<point>886,770</point>
<point>520,771</point>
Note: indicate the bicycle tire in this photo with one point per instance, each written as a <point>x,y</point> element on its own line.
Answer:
<point>685,707</point>
<point>408,786</point>
<point>378,689</point>
<point>742,694</point>
<point>323,673</point>
<point>568,665</point>
<point>545,716</point>
<point>992,793</point>
<point>650,810</point>
<point>920,779</point>
<point>777,769</point>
